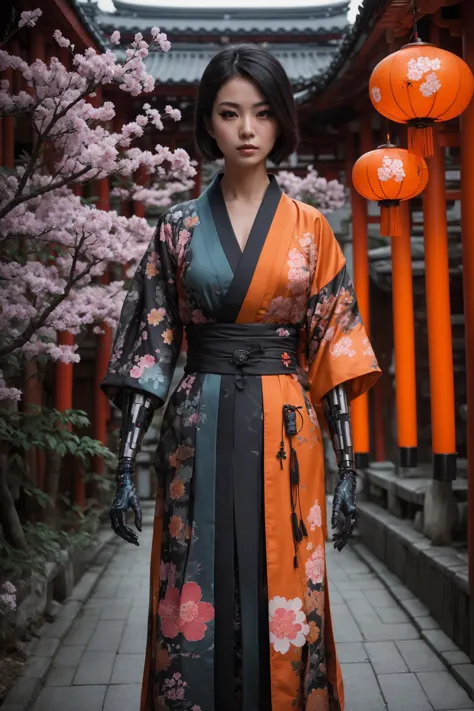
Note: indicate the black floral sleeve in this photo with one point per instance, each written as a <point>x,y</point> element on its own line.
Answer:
<point>149,333</point>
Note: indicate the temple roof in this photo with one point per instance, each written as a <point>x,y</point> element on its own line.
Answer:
<point>319,20</point>
<point>185,63</point>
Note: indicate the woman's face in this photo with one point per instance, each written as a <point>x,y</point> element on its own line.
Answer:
<point>241,117</point>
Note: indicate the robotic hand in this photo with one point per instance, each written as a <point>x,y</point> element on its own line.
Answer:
<point>137,415</point>
<point>125,498</point>
<point>344,511</point>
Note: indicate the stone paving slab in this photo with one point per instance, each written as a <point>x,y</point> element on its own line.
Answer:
<point>386,664</point>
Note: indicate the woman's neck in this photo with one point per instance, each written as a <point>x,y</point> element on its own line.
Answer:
<point>247,185</point>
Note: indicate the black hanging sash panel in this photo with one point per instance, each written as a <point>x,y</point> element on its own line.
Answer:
<point>241,353</point>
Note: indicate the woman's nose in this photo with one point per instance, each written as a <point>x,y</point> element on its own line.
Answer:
<point>247,128</point>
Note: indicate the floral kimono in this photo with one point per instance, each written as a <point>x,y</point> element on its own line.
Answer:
<point>239,615</point>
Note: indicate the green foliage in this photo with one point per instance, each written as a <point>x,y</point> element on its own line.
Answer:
<point>47,429</point>
<point>45,545</point>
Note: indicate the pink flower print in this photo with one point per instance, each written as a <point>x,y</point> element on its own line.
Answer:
<point>287,623</point>
<point>310,249</point>
<point>152,264</point>
<point>175,526</point>
<point>182,453</point>
<point>172,574</point>
<point>315,566</point>
<point>187,383</point>
<point>176,488</point>
<point>146,361</point>
<point>195,708</point>
<point>368,350</point>
<point>136,372</point>
<point>296,259</point>
<point>191,221</point>
<point>166,233</point>
<point>183,237</point>
<point>185,614</point>
<point>156,316</point>
<point>167,336</point>
<point>175,687</point>
<point>285,359</point>
<point>298,308</point>
<point>314,517</point>
<point>192,420</point>
<point>283,332</point>
<point>343,347</point>
<point>197,316</point>
<point>325,306</point>
<point>280,309</point>
<point>329,334</point>
<point>168,572</point>
<point>298,280</point>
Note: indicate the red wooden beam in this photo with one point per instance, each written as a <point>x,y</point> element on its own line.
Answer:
<point>68,14</point>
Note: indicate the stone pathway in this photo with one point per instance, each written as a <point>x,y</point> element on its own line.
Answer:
<point>386,666</point>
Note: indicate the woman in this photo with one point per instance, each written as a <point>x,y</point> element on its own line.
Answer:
<point>239,614</point>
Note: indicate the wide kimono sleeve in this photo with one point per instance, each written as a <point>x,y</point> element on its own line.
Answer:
<point>149,333</point>
<point>338,349</point>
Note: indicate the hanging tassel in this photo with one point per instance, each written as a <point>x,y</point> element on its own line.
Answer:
<point>294,468</point>
<point>297,535</point>
<point>420,139</point>
<point>390,222</point>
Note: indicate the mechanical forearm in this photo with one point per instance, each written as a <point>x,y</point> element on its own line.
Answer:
<point>344,512</point>
<point>137,415</point>
<point>337,413</point>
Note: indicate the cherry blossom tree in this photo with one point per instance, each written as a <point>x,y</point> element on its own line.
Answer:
<point>63,260</point>
<point>326,195</point>
<point>54,245</point>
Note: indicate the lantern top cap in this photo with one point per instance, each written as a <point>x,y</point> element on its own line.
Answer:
<point>387,145</point>
<point>418,43</point>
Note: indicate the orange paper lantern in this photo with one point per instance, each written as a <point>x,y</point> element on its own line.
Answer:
<point>389,175</point>
<point>419,85</point>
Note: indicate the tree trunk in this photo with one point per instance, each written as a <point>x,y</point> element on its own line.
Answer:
<point>11,526</point>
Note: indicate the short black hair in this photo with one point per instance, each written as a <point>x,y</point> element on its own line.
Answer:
<point>267,74</point>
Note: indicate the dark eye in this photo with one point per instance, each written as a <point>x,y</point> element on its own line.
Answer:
<point>265,113</point>
<point>227,114</point>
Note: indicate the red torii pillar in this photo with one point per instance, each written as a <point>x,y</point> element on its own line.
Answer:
<point>360,256</point>
<point>404,342</point>
<point>467,233</point>
<point>438,312</point>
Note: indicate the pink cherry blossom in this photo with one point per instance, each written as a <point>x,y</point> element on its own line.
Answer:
<point>313,189</point>
<point>185,613</point>
<point>29,18</point>
<point>72,243</point>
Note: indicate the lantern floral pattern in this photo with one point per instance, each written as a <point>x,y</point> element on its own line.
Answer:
<point>376,94</point>
<point>391,168</point>
<point>417,68</point>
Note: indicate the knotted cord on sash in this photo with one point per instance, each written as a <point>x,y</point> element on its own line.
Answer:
<point>241,357</point>
<point>298,527</point>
